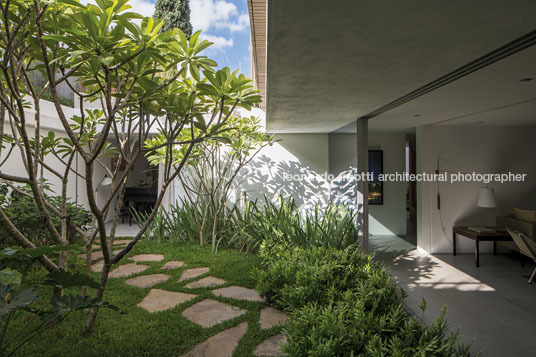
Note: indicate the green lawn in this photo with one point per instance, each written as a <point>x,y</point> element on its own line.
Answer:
<point>137,332</point>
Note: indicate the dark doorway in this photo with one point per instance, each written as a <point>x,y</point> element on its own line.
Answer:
<point>411,189</point>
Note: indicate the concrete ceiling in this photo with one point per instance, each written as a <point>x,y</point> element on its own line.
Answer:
<point>330,63</point>
<point>494,95</point>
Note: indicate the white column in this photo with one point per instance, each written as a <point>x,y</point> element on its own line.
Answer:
<point>362,185</point>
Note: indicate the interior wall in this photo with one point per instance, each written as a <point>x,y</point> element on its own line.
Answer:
<point>492,149</point>
<point>389,218</point>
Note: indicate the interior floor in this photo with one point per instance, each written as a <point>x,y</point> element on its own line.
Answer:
<point>492,305</point>
<point>124,229</point>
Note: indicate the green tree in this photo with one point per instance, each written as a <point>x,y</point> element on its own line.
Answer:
<point>124,67</point>
<point>175,14</point>
<point>213,170</point>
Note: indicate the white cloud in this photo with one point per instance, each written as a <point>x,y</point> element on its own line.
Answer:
<point>205,14</point>
<point>219,41</point>
<point>218,14</point>
<point>142,7</point>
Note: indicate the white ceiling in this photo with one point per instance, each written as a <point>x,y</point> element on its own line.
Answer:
<point>328,64</point>
<point>493,95</point>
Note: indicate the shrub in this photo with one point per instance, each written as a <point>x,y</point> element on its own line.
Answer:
<point>343,303</point>
<point>294,277</point>
<point>68,102</point>
<point>346,327</point>
<point>22,211</point>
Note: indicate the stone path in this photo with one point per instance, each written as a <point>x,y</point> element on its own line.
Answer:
<point>96,255</point>
<point>119,242</point>
<point>193,273</point>
<point>147,258</point>
<point>97,267</point>
<point>122,241</point>
<point>271,317</point>
<point>238,292</point>
<point>160,300</point>
<point>173,264</point>
<point>207,282</point>
<point>127,269</point>
<point>270,346</point>
<point>207,312</point>
<point>146,281</point>
<point>220,345</point>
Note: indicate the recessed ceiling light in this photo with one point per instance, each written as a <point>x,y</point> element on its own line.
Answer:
<point>528,79</point>
<point>416,115</point>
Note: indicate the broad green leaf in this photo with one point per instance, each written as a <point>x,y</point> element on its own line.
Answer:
<point>67,279</point>
<point>10,277</point>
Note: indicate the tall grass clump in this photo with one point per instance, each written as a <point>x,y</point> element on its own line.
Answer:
<point>246,225</point>
<point>282,221</point>
<point>182,223</point>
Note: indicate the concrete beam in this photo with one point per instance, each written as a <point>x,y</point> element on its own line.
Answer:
<point>362,185</point>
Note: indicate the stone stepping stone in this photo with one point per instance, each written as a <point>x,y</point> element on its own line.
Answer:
<point>97,267</point>
<point>146,281</point>
<point>271,317</point>
<point>116,242</point>
<point>127,269</point>
<point>147,258</point>
<point>173,264</point>
<point>192,273</point>
<point>209,281</point>
<point>238,292</point>
<point>96,255</point>
<point>122,241</point>
<point>160,300</point>
<point>208,312</point>
<point>222,344</point>
<point>270,346</point>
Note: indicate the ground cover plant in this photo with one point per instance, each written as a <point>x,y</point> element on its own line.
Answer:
<point>344,304</point>
<point>23,299</point>
<point>136,332</point>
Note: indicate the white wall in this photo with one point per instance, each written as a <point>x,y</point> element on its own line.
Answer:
<point>389,218</point>
<point>498,149</point>
<point>305,156</point>
<point>76,188</point>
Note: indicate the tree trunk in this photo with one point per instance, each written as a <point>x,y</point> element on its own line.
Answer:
<point>87,268</point>
<point>214,230</point>
<point>92,316</point>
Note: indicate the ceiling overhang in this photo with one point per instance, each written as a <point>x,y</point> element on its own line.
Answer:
<point>257,21</point>
<point>328,64</point>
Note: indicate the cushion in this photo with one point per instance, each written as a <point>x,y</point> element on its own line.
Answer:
<point>525,215</point>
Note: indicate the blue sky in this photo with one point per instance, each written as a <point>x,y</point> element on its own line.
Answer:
<point>224,22</point>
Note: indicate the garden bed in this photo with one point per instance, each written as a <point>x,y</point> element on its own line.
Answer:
<point>137,332</point>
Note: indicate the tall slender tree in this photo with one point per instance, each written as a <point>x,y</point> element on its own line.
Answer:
<point>175,14</point>
<point>137,104</point>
